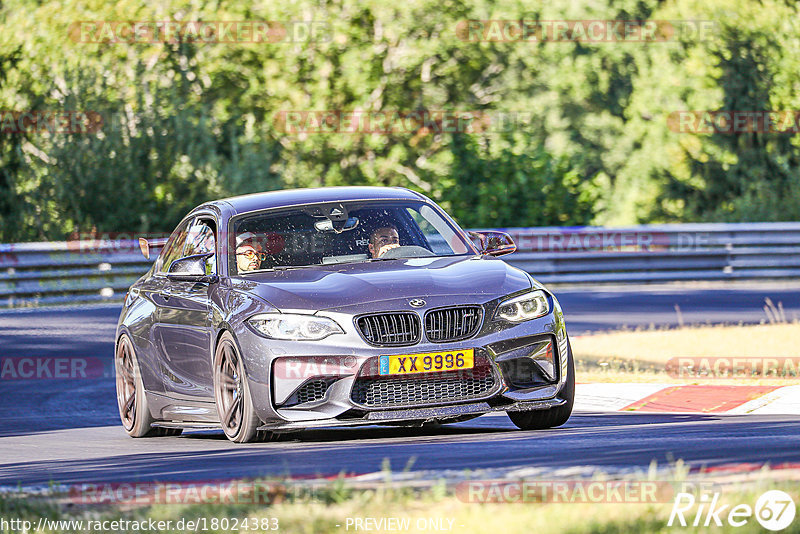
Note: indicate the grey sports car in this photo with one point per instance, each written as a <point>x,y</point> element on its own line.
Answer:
<point>296,309</point>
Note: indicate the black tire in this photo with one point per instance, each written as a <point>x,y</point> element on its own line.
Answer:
<point>134,411</point>
<point>541,419</point>
<point>237,416</point>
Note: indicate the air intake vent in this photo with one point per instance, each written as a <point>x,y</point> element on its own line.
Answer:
<point>452,324</point>
<point>390,329</point>
<point>312,391</point>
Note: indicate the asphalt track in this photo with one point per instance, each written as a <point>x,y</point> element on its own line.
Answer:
<point>67,431</point>
<point>606,441</point>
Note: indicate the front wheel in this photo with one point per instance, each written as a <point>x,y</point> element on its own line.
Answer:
<point>553,417</point>
<point>232,395</point>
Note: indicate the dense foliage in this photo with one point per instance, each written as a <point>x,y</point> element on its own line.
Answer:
<point>589,139</point>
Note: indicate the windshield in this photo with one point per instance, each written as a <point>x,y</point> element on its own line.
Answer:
<point>342,232</point>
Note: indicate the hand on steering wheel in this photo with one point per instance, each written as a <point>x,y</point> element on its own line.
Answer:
<point>385,248</point>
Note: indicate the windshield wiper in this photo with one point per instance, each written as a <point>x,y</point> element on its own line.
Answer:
<point>388,259</point>
<point>276,268</point>
<point>287,267</point>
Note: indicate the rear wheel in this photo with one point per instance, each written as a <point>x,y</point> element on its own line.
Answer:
<point>540,419</point>
<point>134,411</point>
<point>232,395</point>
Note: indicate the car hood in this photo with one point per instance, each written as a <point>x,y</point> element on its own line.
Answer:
<point>324,287</point>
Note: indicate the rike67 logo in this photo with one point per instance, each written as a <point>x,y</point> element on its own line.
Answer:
<point>774,510</point>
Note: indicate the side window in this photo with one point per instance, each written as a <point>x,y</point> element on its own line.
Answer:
<point>174,248</point>
<point>442,239</point>
<point>200,240</point>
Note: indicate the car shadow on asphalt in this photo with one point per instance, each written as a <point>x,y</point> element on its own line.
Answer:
<point>332,434</point>
<point>43,426</point>
<point>480,426</point>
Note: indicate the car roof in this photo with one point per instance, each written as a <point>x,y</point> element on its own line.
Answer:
<point>294,197</point>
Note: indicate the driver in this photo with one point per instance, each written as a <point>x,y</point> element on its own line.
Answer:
<point>382,240</point>
<point>248,252</point>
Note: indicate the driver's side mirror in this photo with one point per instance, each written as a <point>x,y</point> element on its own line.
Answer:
<point>494,243</point>
<point>191,269</point>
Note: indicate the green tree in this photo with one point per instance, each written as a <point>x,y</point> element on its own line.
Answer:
<point>499,187</point>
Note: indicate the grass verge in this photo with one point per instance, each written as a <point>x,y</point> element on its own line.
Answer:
<point>335,508</point>
<point>642,355</point>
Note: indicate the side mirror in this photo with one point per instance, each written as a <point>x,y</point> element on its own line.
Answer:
<point>191,269</point>
<point>146,245</point>
<point>494,243</point>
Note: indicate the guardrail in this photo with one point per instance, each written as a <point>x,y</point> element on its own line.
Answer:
<point>98,270</point>
<point>659,253</point>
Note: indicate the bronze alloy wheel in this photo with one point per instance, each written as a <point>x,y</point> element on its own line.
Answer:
<point>131,399</point>
<point>234,405</point>
<point>230,390</point>
<point>126,383</point>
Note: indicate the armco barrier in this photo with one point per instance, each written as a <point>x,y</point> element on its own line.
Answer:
<point>659,253</point>
<point>44,273</point>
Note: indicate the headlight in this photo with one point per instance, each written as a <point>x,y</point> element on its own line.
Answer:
<point>294,327</point>
<point>524,308</point>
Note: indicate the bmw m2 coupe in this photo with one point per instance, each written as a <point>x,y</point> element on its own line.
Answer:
<point>297,309</point>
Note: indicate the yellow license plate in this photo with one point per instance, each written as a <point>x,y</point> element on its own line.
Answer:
<point>427,362</point>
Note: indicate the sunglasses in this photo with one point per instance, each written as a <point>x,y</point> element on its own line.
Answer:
<point>251,255</point>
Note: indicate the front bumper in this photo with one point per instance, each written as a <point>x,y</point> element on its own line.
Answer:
<point>413,416</point>
<point>275,395</point>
